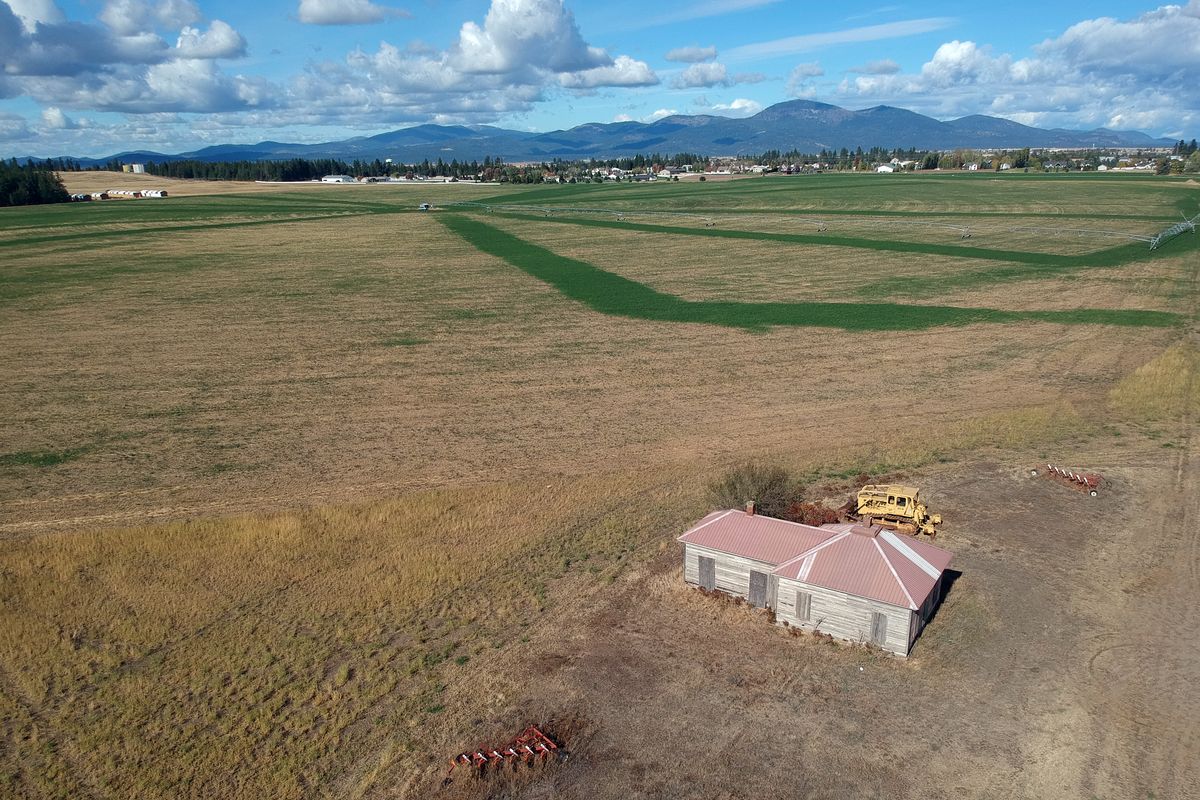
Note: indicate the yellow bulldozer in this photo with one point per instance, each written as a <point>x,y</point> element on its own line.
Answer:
<point>894,506</point>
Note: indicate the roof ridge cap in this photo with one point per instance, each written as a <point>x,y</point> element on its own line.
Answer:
<point>813,550</point>
<point>911,603</point>
<point>905,549</point>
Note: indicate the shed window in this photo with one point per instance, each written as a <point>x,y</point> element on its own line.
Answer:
<point>803,606</point>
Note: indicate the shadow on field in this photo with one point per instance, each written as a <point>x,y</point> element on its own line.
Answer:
<point>949,578</point>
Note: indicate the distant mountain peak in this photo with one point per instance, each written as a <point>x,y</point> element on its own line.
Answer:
<point>803,125</point>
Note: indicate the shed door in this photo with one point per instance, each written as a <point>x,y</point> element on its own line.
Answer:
<point>758,589</point>
<point>803,606</point>
<point>878,628</point>
<point>708,573</point>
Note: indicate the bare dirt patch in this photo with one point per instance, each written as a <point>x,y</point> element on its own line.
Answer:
<point>1035,679</point>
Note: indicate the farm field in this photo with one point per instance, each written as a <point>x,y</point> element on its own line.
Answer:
<point>303,491</point>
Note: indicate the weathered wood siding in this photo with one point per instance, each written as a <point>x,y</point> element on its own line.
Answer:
<point>733,572</point>
<point>927,608</point>
<point>843,615</point>
<point>837,613</point>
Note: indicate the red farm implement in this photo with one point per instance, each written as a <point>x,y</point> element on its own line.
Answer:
<point>1082,481</point>
<point>529,747</point>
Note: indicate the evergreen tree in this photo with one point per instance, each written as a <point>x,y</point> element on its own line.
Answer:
<point>30,184</point>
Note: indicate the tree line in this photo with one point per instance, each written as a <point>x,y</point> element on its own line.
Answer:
<point>30,184</point>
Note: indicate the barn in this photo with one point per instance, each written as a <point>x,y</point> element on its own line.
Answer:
<point>855,581</point>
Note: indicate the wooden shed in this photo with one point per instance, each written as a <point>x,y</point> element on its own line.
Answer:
<point>857,582</point>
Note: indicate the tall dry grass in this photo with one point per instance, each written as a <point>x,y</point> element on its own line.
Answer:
<point>260,656</point>
<point>1166,387</point>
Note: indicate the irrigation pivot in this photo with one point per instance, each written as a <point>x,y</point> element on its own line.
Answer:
<point>1175,230</point>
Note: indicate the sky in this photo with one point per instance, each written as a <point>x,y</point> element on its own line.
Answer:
<point>95,77</point>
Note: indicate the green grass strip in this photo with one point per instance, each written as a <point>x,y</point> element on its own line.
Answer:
<point>616,295</point>
<point>1021,265</point>
<point>1113,256</point>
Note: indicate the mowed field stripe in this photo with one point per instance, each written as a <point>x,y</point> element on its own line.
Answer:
<point>1113,256</point>
<point>199,226</point>
<point>1021,265</point>
<point>613,294</point>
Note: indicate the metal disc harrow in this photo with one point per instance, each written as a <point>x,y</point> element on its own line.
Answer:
<point>530,746</point>
<point>1083,481</point>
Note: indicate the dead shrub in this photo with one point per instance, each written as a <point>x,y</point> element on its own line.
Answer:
<point>813,514</point>
<point>768,486</point>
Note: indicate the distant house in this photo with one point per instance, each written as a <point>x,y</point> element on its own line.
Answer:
<point>973,167</point>
<point>885,168</point>
<point>857,582</point>
<point>337,179</point>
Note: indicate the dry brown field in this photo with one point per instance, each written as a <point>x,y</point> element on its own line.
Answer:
<point>301,494</point>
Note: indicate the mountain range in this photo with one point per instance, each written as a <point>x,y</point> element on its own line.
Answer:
<point>802,125</point>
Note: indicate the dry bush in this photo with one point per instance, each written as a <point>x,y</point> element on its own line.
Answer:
<point>813,514</point>
<point>768,486</point>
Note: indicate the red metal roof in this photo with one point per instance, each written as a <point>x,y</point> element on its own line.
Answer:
<point>754,536</point>
<point>847,557</point>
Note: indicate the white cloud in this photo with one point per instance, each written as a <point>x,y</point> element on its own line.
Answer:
<point>883,66</point>
<point>712,8</point>
<point>345,12</point>
<point>1137,73</point>
<point>703,75</point>
<point>692,54</point>
<point>1156,44</point>
<point>54,119</point>
<point>177,13</point>
<point>800,81</point>
<point>653,116</point>
<point>525,33</point>
<point>814,41</point>
<point>31,12</point>
<point>125,17</point>
<point>71,48</point>
<point>129,17</point>
<point>956,63</point>
<point>624,71</point>
<point>706,75</point>
<point>741,107</point>
<point>13,127</point>
<point>519,52</point>
<point>219,41</point>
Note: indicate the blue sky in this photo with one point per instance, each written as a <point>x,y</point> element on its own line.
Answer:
<point>92,77</point>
